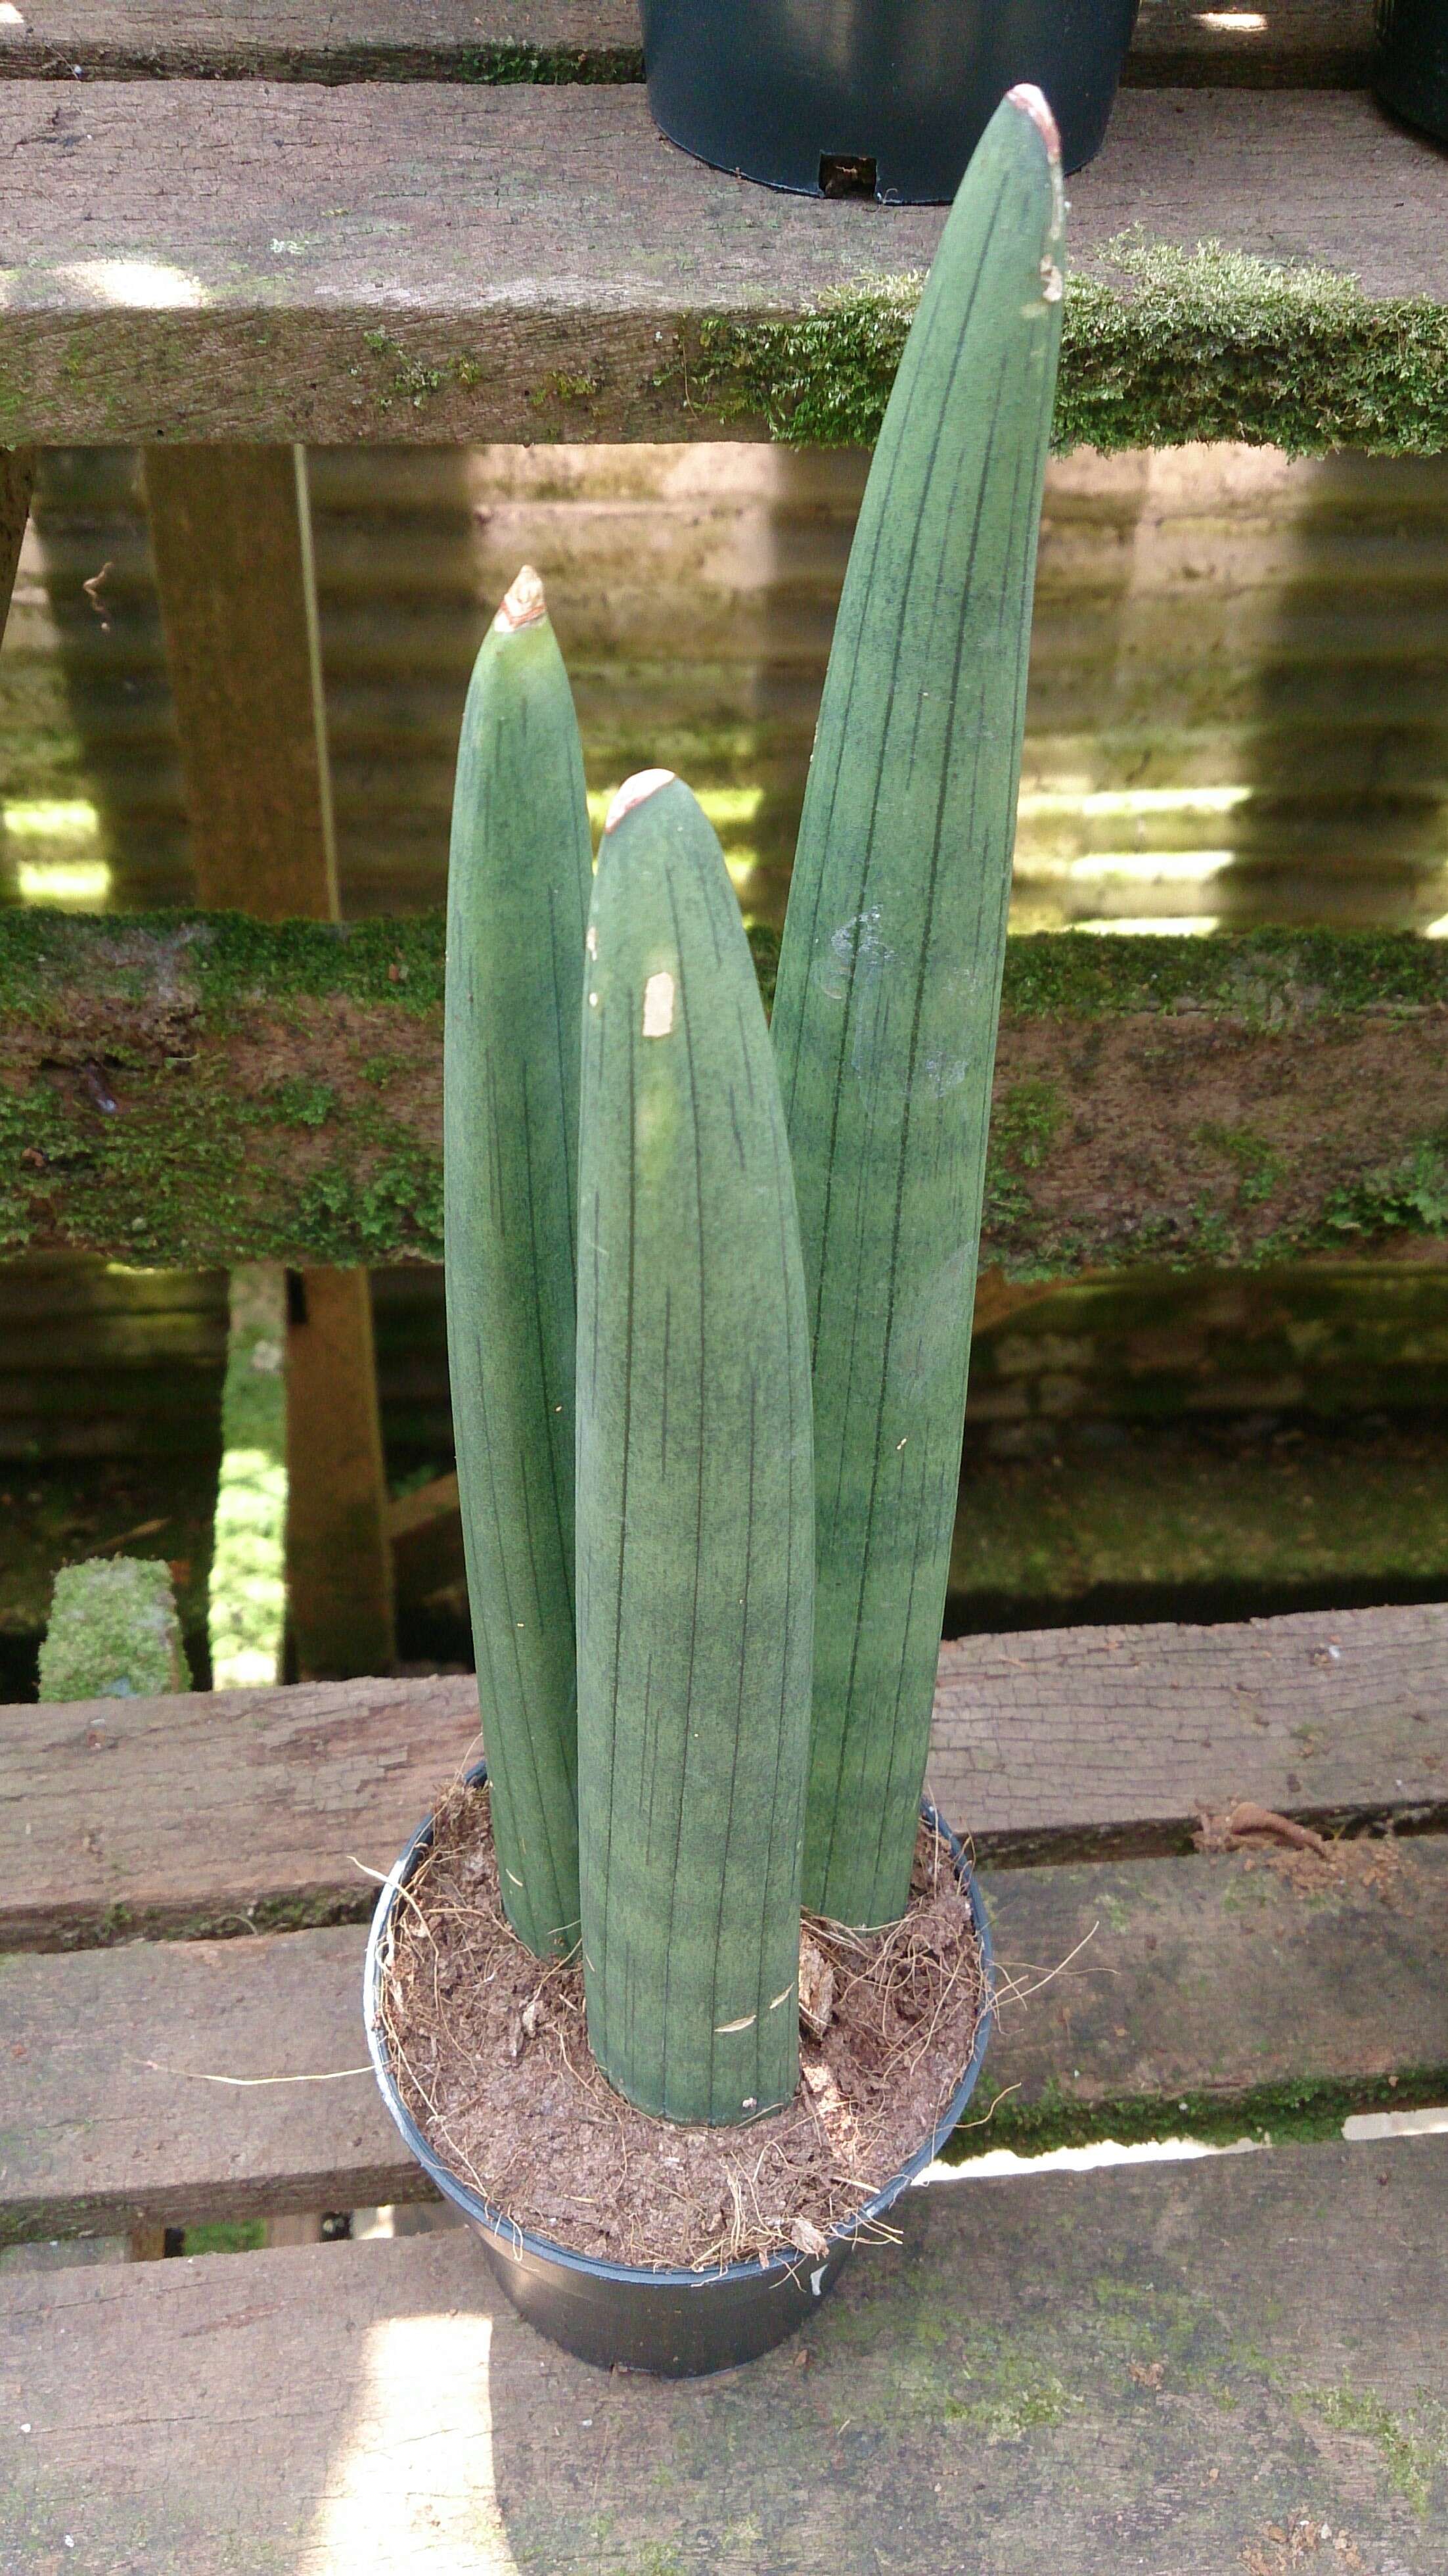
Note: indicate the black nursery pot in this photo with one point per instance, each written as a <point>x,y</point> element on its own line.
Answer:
<point>676,2324</point>
<point>882,98</point>
<point>1412,66</point>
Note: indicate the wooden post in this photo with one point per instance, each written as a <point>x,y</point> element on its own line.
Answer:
<point>339,1558</point>
<point>231,537</point>
<point>17,473</point>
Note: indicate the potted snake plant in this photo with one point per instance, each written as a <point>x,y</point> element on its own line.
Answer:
<point>877,98</point>
<point>709,1297</point>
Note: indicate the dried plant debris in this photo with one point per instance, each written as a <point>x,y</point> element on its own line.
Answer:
<point>1305,2541</point>
<point>1312,1863</point>
<point>492,2060</point>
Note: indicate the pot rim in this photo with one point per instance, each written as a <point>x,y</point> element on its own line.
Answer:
<point>519,2240</point>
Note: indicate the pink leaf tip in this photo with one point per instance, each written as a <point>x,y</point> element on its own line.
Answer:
<point>1033,103</point>
<point>524,604</point>
<point>635,791</point>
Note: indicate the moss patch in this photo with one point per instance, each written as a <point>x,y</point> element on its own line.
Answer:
<point>113,1633</point>
<point>1013,2398</point>
<point>1160,345</point>
<point>1024,1123</point>
<point>200,1089</point>
<point>1411,2453</point>
<point>555,66</point>
<point>1302,2112</point>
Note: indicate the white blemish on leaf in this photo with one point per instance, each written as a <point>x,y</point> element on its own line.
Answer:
<point>658,1005</point>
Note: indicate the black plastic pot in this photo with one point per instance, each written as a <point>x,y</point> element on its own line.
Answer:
<point>1412,67</point>
<point>878,98</point>
<point>677,2324</point>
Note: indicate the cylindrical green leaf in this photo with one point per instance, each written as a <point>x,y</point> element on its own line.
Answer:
<point>518,891</point>
<point>889,982</point>
<point>695,1489</point>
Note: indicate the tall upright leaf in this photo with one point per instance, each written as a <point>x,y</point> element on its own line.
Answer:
<point>518,891</point>
<point>695,1490</point>
<point>889,981</point>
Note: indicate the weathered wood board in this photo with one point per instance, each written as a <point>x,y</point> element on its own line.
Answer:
<point>1169,2371</point>
<point>1298,43</point>
<point>226,1810</point>
<point>305,40</point>
<point>1117,1738</point>
<point>177,2081</point>
<point>256,260</point>
<point>279,1095</point>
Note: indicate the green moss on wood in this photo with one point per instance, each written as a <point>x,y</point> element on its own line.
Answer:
<point>313,1911</point>
<point>500,66</point>
<point>1268,978</point>
<point>1160,345</point>
<point>1303,2110</point>
<point>276,1091</point>
<point>113,1632</point>
<point>1411,2454</point>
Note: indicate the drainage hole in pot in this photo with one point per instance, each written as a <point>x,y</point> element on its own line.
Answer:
<point>846,174</point>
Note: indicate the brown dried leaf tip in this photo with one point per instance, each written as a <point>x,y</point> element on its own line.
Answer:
<point>1033,103</point>
<point>524,604</point>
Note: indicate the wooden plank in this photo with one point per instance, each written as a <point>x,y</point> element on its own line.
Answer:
<point>215,1811</point>
<point>1170,2370</point>
<point>232,541</point>
<point>1237,1099</point>
<point>303,40</point>
<point>1297,43</point>
<point>420,262</point>
<point>1203,1986</point>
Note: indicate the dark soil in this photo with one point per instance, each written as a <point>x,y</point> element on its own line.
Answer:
<point>492,2059</point>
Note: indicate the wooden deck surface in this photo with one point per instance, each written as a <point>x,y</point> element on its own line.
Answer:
<point>212,260</point>
<point>1168,2372</point>
<point>1297,43</point>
